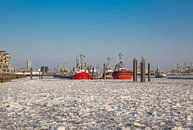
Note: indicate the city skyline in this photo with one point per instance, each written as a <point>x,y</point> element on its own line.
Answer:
<point>52,32</point>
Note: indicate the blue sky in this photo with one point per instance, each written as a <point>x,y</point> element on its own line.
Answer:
<point>50,32</point>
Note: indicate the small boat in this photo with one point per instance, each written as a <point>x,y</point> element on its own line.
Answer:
<point>81,71</point>
<point>158,73</point>
<point>120,71</point>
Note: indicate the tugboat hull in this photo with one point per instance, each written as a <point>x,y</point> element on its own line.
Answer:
<point>123,74</point>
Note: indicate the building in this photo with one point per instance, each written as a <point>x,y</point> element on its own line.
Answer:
<point>5,61</point>
<point>44,69</point>
<point>28,65</point>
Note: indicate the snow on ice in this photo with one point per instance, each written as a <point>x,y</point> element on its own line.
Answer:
<point>58,104</point>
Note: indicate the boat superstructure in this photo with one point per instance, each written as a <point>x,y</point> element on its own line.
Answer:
<point>108,70</point>
<point>81,70</point>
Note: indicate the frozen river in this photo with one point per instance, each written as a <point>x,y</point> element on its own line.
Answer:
<point>51,104</point>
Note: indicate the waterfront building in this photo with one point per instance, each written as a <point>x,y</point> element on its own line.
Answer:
<point>28,65</point>
<point>44,69</point>
<point>5,61</point>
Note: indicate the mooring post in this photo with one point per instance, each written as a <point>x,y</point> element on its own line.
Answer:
<point>1,77</point>
<point>149,73</point>
<point>141,67</point>
<point>104,71</point>
<point>30,72</point>
<point>42,74</point>
<point>39,74</point>
<point>134,70</point>
<point>92,72</point>
<point>142,70</point>
<point>14,74</point>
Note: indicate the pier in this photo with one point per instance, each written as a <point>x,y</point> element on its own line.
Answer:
<point>6,77</point>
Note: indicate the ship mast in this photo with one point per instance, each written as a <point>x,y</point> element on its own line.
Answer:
<point>120,57</point>
<point>77,61</point>
<point>81,61</point>
<point>108,67</point>
<point>108,61</point>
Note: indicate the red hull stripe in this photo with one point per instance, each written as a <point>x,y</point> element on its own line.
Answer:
<point>123,74</point>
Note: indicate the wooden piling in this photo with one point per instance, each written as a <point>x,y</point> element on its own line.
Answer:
<point>2,77</point>
<point>134,70</point>
<point>30,72</point>
<point>15,76</point>
<point>1,69</point>
<point>149,73</point>
<point>142,70</point>
<point>104,71</point>
<point>42,74</point>
<point>39,74</point>
<point>92,72</point>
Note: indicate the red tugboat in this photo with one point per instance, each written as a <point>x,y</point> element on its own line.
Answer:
<point>120,72</point>
<point>81,71</point>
